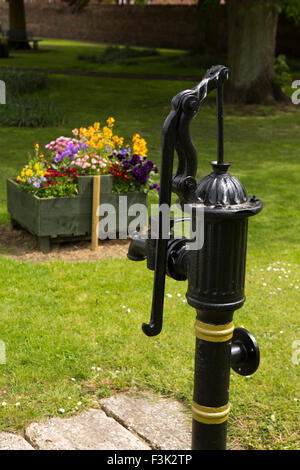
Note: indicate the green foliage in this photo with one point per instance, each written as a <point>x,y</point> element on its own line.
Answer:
<point>25,111</point>
<point>23,108</point>
<point>77,5</point>
<point>282,75</point>
<point>291,9</point>
<point>20,82</point>
<point>119,55</point>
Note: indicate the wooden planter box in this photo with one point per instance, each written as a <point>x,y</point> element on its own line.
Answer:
<point>64,218</point>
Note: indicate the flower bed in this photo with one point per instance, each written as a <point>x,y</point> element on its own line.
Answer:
<point>52,195</point>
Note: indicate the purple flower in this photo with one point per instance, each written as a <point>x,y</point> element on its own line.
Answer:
<point>58,157</point>
<point>36,184</point>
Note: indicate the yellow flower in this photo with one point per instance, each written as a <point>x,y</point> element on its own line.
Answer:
<point>18,178</point>
<point>107,132</point>
<point>36,146</point>
<point>42,155</point>
<point>139,145</point>
<point>97,126</point>
<point>110,121</point>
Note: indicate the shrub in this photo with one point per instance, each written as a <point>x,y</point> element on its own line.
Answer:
<point>19,82</point>
<point>282,71</point>
<point>24,111</point>
<point>119,55</point>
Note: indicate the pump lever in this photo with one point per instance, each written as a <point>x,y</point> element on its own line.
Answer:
<point>184,183</point>
<point>175,135</point>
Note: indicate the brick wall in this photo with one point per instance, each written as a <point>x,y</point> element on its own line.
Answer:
<point>165,26</point>
<point>169,26</point>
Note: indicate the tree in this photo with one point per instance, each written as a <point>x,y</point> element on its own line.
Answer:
<point>77,5</point>
<point>17,25</point>
<point>252,29</point>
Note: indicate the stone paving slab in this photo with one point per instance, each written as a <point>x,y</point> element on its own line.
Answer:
<point>10,441</point>
<point>91,430</point>
<point>163,423</point>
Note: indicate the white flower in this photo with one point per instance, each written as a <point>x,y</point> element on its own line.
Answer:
<point>128,310</point>
<point>169,295</point>
<point>18,403</point>
<point>61,410</point>
<point>178,295</point>
<point>79,403</point>
<point>4,403</point>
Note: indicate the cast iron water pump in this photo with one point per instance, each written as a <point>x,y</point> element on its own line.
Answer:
<point>215,271</point>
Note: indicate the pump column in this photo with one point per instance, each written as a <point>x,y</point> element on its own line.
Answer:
<point>210,408</point>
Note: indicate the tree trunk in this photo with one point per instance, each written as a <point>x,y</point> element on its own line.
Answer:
<point>17,25</point>
<point>252,28</point>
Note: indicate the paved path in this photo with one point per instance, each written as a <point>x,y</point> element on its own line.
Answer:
<point>125,421</point>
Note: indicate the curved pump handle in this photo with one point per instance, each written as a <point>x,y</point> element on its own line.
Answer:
<point>175,135</point>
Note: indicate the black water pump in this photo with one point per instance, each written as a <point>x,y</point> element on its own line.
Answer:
<point>215,270</point>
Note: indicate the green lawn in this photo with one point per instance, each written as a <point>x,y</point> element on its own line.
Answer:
<point>63,55</point>
<point>68,338</point>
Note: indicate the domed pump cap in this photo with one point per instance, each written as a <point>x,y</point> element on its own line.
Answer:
<point>221,188</point>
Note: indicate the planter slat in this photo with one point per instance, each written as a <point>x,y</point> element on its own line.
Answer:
<point>65,217</point>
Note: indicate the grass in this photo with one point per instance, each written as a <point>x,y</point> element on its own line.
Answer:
<point>63,55</point>
<point>68,338</point>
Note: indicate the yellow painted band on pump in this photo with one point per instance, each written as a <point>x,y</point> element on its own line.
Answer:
<point>214,333</point>
<point>210,415</point>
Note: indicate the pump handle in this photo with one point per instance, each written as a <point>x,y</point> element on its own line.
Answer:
<point>175,135</point>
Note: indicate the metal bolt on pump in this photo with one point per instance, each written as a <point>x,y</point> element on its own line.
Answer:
<point>215,272</point>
